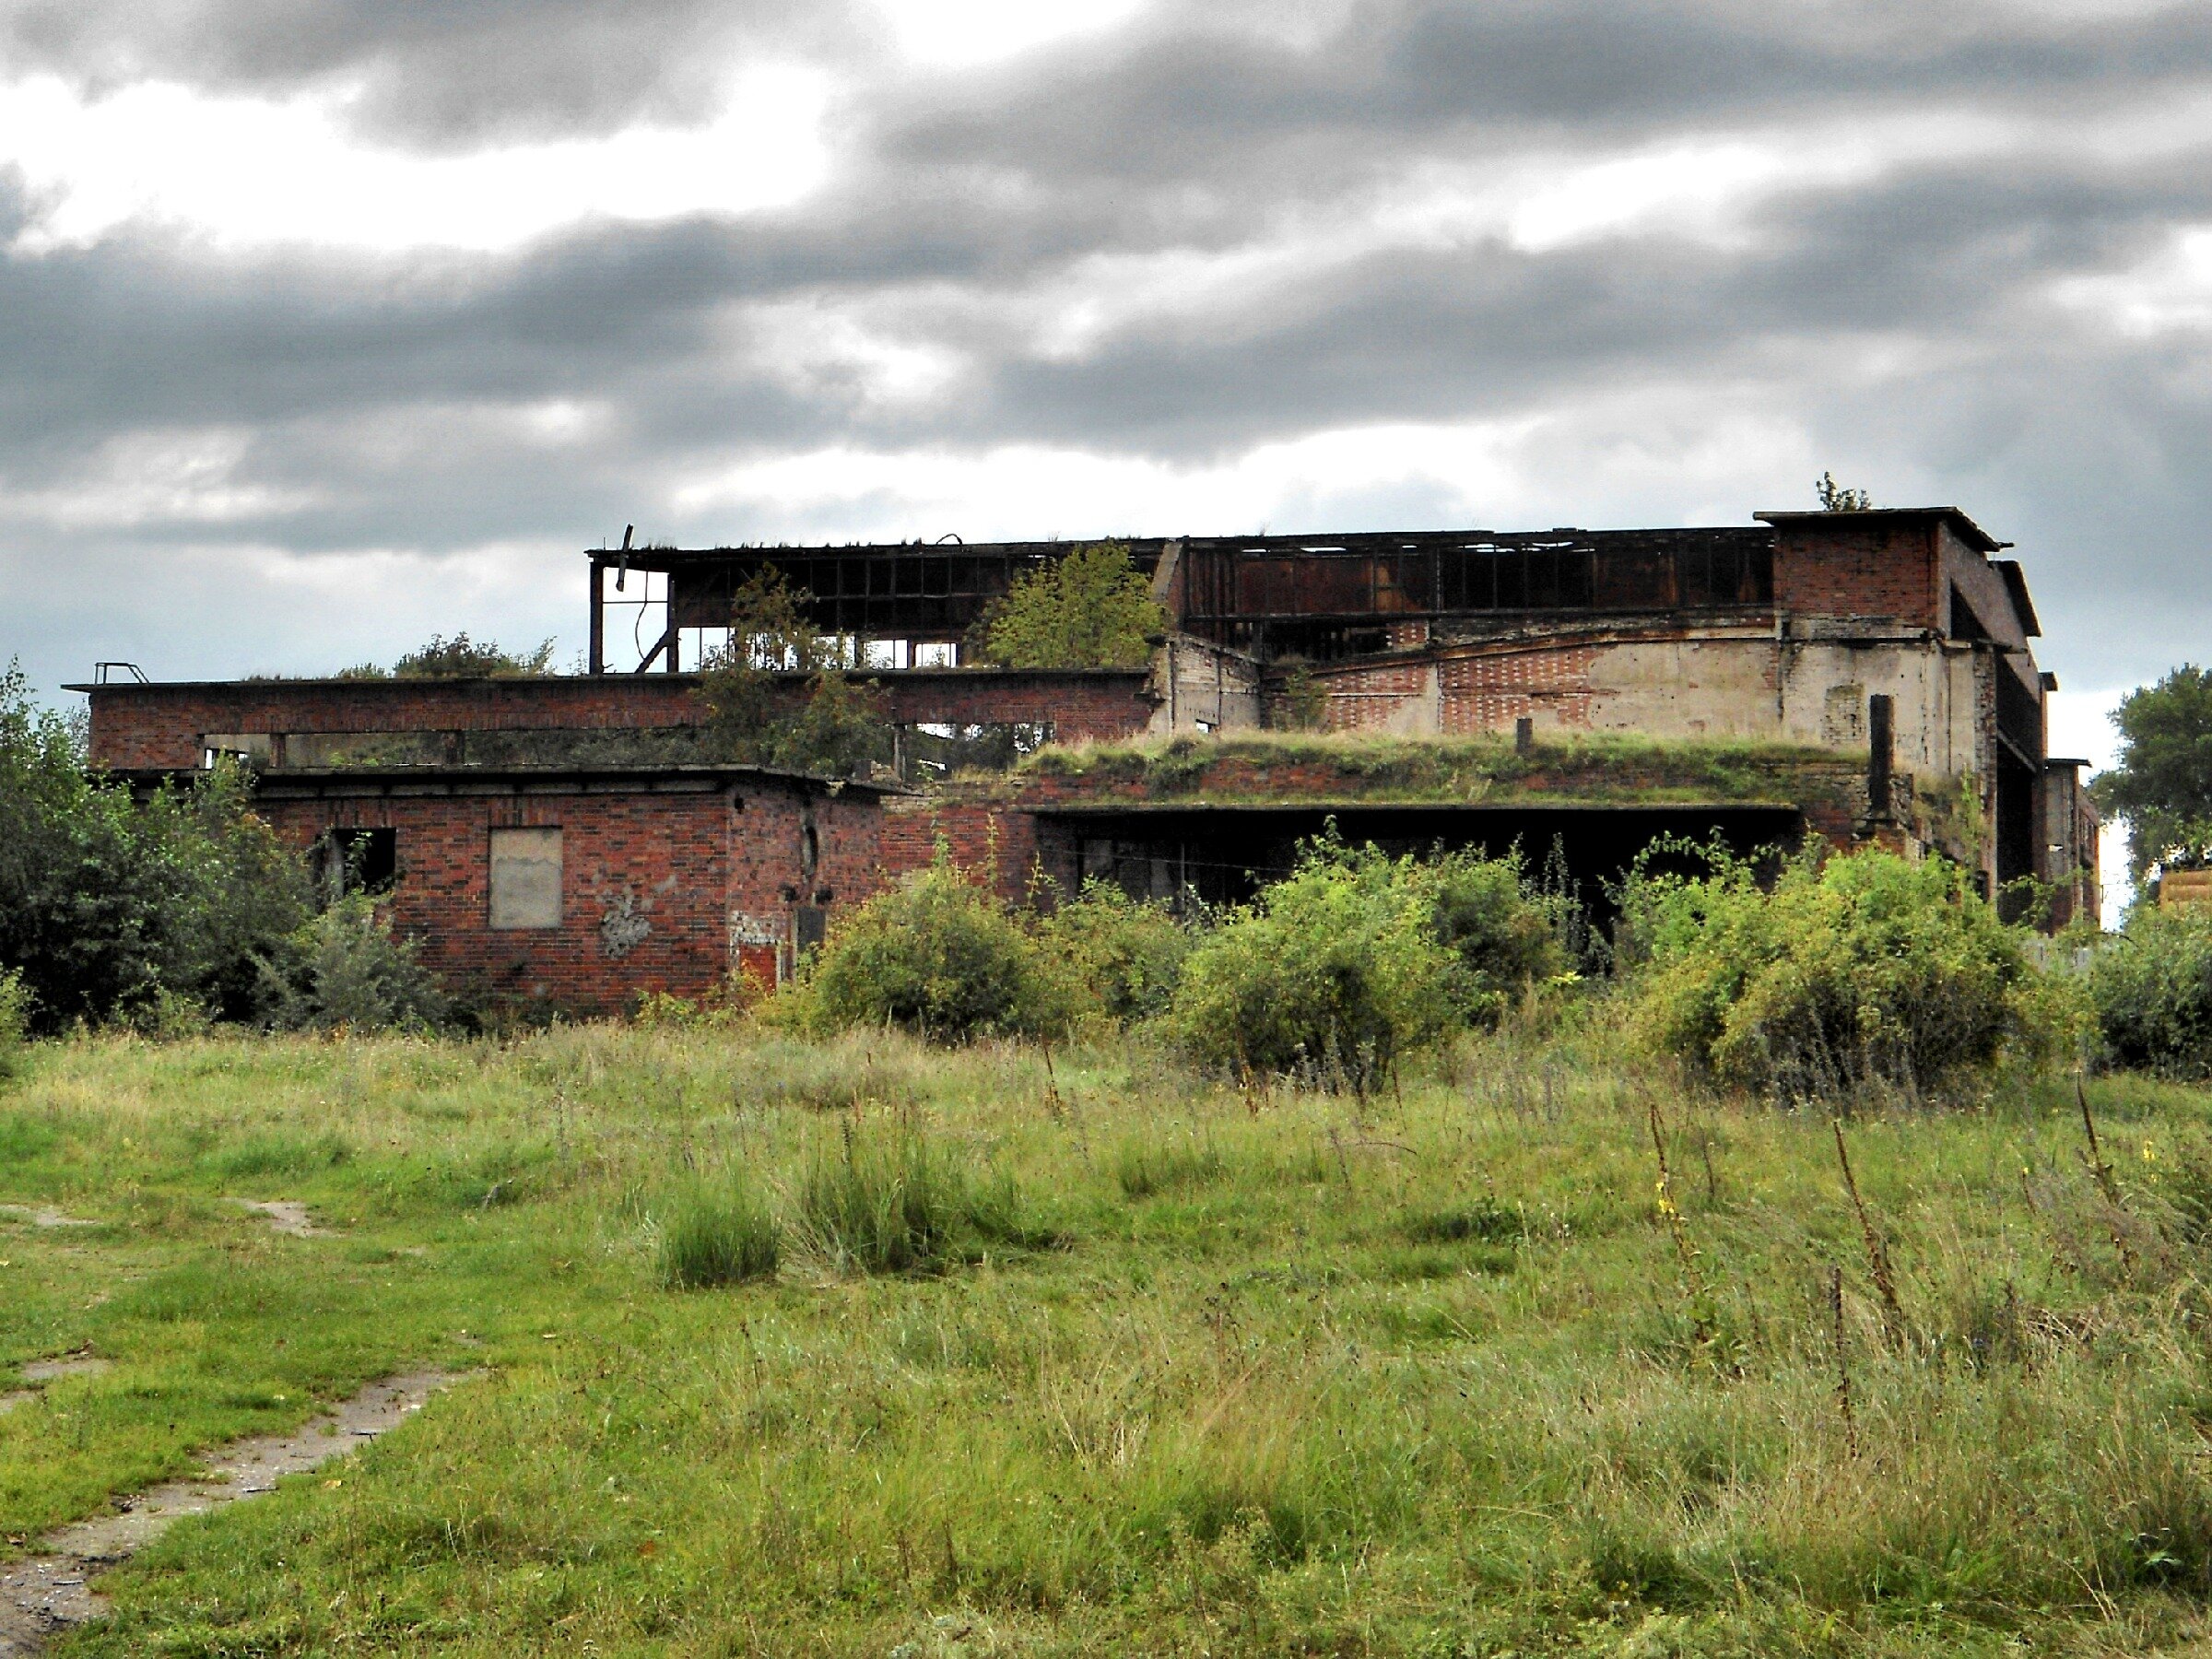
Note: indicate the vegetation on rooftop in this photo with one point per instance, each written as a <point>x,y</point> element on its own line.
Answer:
<point>1596,766</point>
<point>460,658</point>
<point>839,729</point>
<point>1091,608</point>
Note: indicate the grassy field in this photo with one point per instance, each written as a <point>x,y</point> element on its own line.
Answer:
<point>1169,1368</point>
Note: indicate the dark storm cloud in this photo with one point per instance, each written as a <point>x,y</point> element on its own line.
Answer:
<point>409,400</point>
<point>1191,101</point>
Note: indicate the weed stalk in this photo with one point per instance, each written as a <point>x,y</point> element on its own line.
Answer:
<point>1835,1315</point>
<point>1701,1318</point>
<point>1877,1253</point>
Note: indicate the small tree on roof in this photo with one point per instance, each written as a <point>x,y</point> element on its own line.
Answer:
<point>1836,497</point>
<point>842,726</point>
<point>1091,609</point>
<point>464,658</point>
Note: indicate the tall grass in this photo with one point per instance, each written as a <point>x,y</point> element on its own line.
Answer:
<point>1417,1375</point>
<point>897,1202</point>
<point>721,1233</point>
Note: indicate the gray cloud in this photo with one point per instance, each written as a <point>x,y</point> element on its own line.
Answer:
<point>1188,100</point>
<point>1905,324</point>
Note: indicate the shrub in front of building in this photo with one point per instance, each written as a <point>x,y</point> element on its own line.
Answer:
<point>1118,958</point>
<point>112,908</point>
<point>1357,959</point>
<point>1856,971</point>
<point>935,955</point>
<point>343,969</point>
<point>2152,990</point>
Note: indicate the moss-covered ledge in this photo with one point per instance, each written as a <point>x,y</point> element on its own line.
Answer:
<point>1596,770</point>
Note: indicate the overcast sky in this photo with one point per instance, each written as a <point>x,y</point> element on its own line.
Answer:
<point>327,326</point>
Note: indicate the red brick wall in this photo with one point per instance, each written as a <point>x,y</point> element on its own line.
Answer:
<point>1365,698</point>
<point>1488,693</point>
<point>160,725</point>
<point>695,869</point>
<point>997,843</point>
<point>1858,568</point>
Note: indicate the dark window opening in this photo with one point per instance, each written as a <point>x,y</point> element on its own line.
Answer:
<point>809,927</point>
<point>355,860</point>
<point>1965,625</point>
<point>2015,835</point>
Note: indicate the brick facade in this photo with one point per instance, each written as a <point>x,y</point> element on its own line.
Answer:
<point>144,727</point>
<point>664,880</point>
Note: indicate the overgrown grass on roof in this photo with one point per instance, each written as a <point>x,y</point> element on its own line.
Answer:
<point>1593,767</point>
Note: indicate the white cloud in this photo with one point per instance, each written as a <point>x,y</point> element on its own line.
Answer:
<point>241,171</point>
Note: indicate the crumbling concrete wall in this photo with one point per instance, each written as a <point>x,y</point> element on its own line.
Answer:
<point>1204,687</point>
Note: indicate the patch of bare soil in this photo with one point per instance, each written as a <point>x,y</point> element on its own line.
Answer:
<point>289,1216</point>
<point>42,1371</point>
<point>53,1590</point>
<point>43,1216</point>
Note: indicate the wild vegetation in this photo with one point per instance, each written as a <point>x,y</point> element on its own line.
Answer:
<point>1846,972</point>
<point>2152,990</point>
<point>167,913</point>
<point>1092,609</point>
<point>839,728</point>
<point>460,658</point>
<point>839,1346</point>
<point>1389,1266</point>
<point>2163,785</point>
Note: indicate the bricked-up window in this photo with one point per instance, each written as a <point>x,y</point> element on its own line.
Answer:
<point>525,878</point>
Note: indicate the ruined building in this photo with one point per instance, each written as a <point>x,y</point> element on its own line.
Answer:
<point>1864,677</point>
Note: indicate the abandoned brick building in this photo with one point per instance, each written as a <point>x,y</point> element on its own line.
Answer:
<point>1864,677</point>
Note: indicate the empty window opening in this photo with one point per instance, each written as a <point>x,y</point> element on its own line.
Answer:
<point>525,878</point>
<point>355,860</point>
<point>253,747</point>
<point>939,748</point>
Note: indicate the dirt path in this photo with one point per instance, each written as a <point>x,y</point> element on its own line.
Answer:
<point>43,1216</point>
<point>288,1215</point>
<point>53,1590</point>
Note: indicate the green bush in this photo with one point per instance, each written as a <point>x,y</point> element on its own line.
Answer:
<point>718,1235</point>
<point>2151,987</point>
<point>1091,608</point>
<point>1332,973</point>
<point>1119,957</point>
<point>939,956</point>
<point>1502,937</point>
<point>1861,968</point>
<point>344,969</point>
<point>15,1021</point>
<point>897,1204</point>
<point>112,908</point>
<point>1356,958</point>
